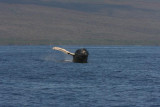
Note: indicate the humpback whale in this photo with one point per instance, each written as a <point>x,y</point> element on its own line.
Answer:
<point>80,56</point>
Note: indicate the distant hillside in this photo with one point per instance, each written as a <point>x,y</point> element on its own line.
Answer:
<point>87,22</point>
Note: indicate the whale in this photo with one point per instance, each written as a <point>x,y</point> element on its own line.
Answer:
<point>80,55</point>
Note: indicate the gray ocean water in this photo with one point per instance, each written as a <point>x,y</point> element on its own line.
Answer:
<point>115,76</point>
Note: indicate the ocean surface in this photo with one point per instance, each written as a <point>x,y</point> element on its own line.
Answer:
<point>115,76</point>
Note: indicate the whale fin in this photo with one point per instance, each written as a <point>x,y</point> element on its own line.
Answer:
<point>63,50</point>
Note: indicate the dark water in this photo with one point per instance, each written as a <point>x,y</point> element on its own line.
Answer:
<point>37,76</point>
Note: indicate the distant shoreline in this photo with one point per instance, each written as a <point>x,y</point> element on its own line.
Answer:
<point>74,22</point>
<point>79,45</point>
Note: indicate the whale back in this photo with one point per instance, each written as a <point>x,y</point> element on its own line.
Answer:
<point>81,56</point>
